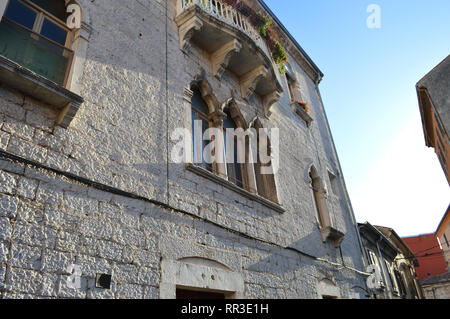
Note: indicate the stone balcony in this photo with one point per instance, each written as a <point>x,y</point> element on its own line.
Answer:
<point>233,44</point>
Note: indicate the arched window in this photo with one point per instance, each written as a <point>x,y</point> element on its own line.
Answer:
<point>234,168</point>
<point>265,178</point>
<point>200,113</point>
<point>34,34</point>
<point>319,199</point>
<point>293,87</point>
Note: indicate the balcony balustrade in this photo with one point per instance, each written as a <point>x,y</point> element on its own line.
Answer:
<point>233,44</point>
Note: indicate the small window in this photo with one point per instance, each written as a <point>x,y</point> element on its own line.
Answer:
<point>22,14</point>
<point>334,183</point>
<point>36,39</point>
<point>234,169</point>
<point>294,92</point>
<point>53,32</point>
<point>199,116</point>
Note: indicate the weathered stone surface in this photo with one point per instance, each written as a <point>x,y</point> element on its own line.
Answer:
<point>8,206</point>
<point>119,138</point>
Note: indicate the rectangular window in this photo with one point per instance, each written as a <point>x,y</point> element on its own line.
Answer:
<point>198,149</point>
<point>53,32</point>
<point>390,271</point>
<point>36,40</point>
<point>22,14</point>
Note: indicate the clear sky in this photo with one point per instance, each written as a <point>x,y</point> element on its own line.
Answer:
<point>369,93</point>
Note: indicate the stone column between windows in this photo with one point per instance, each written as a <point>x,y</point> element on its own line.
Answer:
<point>217,119</point>
<point>250,169</point>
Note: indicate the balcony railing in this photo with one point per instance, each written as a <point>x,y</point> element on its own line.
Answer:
<point>34,52</point>
<point>228,15</point>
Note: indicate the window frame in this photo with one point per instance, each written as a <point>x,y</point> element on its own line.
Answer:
<point>41,15</point>
<point>203,164</point>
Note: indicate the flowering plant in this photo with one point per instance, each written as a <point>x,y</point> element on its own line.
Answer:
<point>264,26</point>
<point>304,105</point>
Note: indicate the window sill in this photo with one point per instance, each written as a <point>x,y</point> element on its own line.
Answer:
<point>332,234</point>
<point>223,182</point>
<point>298,109</point>
<point>42,89</point>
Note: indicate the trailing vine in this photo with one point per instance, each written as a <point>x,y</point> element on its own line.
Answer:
<point>264,26</point>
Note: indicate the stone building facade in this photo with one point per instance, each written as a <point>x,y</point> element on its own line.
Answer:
<point>443,234</point>
<point>86,171</point>
<point>434,104</point>
<point>385,250</point>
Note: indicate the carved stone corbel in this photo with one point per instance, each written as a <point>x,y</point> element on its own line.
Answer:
<point>269,100</point>
<point>250,80</point>
<point>186,31</point>
<point>221,58</point>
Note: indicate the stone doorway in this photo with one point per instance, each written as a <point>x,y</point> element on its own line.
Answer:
<point>186,294</point>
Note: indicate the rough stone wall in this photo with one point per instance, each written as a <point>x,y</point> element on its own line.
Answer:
<point>439,291</point>
<point>133,92</point>
<point>49,221</point>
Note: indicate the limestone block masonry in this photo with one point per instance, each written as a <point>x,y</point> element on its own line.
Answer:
<point>104,195</point>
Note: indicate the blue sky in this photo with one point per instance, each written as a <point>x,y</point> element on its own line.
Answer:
<point>369,94</point>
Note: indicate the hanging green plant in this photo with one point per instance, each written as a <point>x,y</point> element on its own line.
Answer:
<point>264,23</point>
<point>280,57</point>
<point>264,26</point>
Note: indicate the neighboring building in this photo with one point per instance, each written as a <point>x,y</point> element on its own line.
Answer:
<point>88,178</point>
<point>443,235</point>
<point>407,281</point>
<point>398,279</point>
<point>429,258</point>
<point>434,102</point>
<point>437,287</point>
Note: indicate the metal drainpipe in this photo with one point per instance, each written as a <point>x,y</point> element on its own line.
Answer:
<point>383,267</point>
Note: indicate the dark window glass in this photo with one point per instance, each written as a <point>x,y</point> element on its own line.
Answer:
<point>53,32</point>
<point>198,103</point>
<point>234,168</point>
<point>199,112</point>
<point>20,13</point>
<point>55,7</point>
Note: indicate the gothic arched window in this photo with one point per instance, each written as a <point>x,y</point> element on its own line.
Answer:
<point>200,118</point>
<point>264,175</point>
<point>233,165</point>
<point>320,199</point>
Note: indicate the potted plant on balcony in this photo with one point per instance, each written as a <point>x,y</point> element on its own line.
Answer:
<point>264,27</point>
<point>303,105</point>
